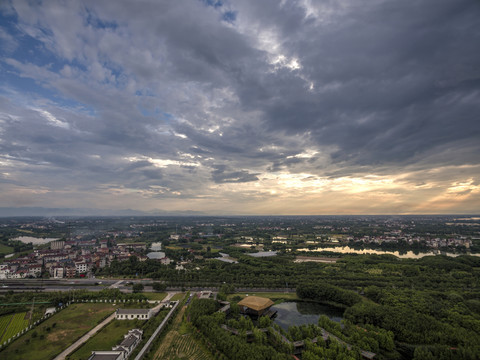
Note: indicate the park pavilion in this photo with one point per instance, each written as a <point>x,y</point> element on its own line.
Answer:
<point>255,305</point>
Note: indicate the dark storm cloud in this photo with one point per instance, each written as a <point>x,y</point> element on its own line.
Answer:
<point>222,175</point>
<point>389,80</point>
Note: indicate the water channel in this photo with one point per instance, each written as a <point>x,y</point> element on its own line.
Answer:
<point>300,313</point>
<point>401,254</point>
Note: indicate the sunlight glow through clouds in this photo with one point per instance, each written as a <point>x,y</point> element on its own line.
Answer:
<point>463,188</point>
<point>161,163</point>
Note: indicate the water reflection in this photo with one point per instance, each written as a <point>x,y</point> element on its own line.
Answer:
<point>403,255</point>
<point>301,313</point>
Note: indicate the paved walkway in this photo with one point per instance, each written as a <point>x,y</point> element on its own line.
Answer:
<point>84,338</point>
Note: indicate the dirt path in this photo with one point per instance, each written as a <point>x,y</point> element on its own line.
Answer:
<point>84,338</point>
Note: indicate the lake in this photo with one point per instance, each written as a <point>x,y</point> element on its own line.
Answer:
<point>34,240</point>
<point>300,313</point>
<point>402,255</point>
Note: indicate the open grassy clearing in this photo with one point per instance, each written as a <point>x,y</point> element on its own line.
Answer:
<point>105,339</point>
<point>179,344</point>
<point>58,332</point>
<point>178,297</point>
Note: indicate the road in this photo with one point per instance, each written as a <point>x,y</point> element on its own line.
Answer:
<point>124,285</point>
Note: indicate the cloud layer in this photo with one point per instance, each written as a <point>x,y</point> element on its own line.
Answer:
<point>247,107</point>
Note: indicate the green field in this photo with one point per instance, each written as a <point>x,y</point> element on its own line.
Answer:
<point>105,339</point>
<point>178,296</point>
<point>4,249</point>
<point>58,332</point>
<point>178,344</point>
<point>4,322</point>
<point>184,347</point>
<point>10,325</point>
<point>155,296</point>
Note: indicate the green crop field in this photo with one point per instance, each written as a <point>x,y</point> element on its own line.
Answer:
<point>4,322</point>
<point>184,347</point>
<point>10,325</point>
<point>105,339</point>
<point>179,344</point>
<point>55,334</point>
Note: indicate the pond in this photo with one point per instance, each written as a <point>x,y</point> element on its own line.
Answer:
<point>403,255</point>
<point>300,313</point>
<point>156,255</point>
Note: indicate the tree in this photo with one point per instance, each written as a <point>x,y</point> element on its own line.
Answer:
<point>159,286</point>
<point>137,288</point>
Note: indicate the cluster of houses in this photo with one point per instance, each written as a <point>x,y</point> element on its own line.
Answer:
<point>72,258</point>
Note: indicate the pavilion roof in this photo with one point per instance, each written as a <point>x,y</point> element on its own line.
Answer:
<point>256,303</point>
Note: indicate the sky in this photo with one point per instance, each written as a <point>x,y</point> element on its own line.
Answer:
<point>241,107</point>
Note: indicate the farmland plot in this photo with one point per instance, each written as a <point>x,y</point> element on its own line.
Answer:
<point>10,325</point>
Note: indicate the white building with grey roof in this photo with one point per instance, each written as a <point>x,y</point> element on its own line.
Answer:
<point>133,314</point>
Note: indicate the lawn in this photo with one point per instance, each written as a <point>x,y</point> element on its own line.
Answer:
<point>155,296</point>
<point>58,332</point>
<point>178,296</point>
<point>105,339</point>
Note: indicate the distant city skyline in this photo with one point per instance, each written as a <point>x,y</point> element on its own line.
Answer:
<point>241,107</point>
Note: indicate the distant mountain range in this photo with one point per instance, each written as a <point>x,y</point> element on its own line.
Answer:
<point>41,211</point>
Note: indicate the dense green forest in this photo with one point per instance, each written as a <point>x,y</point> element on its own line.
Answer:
<point>430,305</point>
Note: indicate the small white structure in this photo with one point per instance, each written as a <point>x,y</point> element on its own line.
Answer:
<point>50,311</point>
<point>132,314</point>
